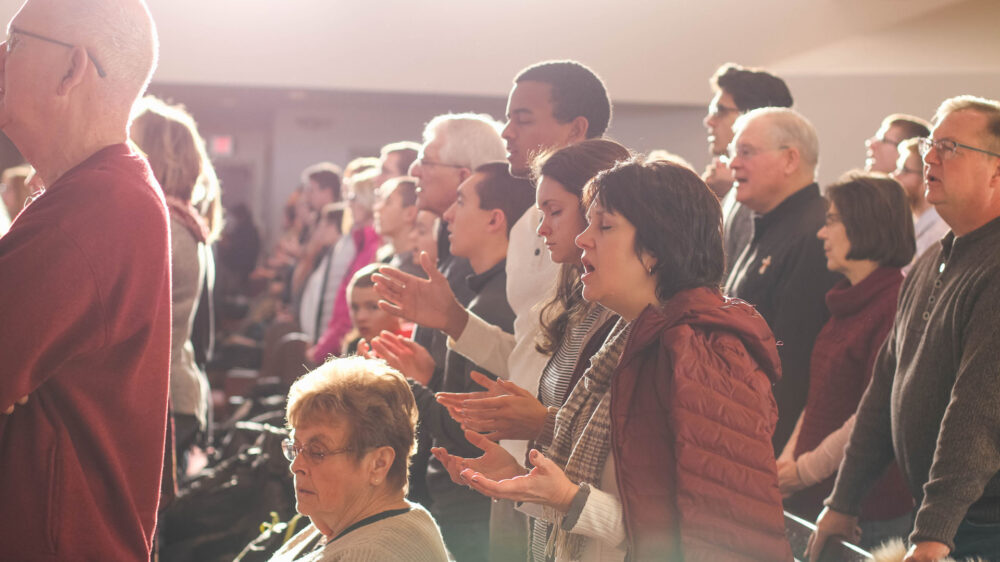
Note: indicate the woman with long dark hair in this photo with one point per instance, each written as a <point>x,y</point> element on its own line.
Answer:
<point>571,327</point>
<point>568,322</point>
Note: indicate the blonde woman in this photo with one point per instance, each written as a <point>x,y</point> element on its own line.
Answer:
<point>169,137</point>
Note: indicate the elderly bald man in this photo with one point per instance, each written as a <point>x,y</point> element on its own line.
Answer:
<point>84,290</point>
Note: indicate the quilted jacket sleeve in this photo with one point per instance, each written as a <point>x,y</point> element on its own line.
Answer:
<point>722,414</point>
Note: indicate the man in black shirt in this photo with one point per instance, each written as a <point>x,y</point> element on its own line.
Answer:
<point>782,271</point>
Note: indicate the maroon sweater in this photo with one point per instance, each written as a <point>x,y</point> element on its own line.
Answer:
<point>842,359</point>
<point>85,332</point>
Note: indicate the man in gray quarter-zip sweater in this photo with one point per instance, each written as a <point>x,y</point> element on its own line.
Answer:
<point>934,400</point>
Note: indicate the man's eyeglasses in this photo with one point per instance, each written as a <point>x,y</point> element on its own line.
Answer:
<point>97,65</point>
<point>947,148</point>
<point>884,140</point>
<point>718,111</point>
<point>747,152</point>
<point>426,163</point>
<point>315,456</point>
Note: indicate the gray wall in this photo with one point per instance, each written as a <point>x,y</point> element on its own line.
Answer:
<point>280,132</point>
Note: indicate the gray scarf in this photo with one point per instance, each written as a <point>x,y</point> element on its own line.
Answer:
<point>581,441</point>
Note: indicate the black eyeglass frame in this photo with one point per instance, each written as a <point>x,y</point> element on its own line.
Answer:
<point>97,65</point>
<point>924,145</point>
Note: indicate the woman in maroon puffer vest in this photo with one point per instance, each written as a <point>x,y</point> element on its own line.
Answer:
<point>663,449</point>
<point>868,237</point>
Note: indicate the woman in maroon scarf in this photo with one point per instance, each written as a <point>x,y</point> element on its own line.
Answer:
<point>868,237</point>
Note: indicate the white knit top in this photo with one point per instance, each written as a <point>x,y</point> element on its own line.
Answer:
<point>411,536</point>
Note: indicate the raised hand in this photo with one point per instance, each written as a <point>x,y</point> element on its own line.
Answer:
<point>365,350</point>
<point>546,484</point>
<point>495,461</point>
<point>503,411</point>
<point>404,355</point>
<point>429,302</point>
<point>453,400</point>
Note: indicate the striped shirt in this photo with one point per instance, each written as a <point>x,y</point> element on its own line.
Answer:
<point>553,388</point>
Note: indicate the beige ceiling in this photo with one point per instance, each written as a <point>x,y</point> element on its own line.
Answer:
<point>648,52</point>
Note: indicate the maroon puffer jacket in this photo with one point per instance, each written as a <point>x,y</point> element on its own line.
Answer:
<point>692,417</point>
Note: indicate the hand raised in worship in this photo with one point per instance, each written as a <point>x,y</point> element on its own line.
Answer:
<point>20,402</point>
<point>453,400</point>
<point>926,551</point>
<point>717,174</point>
<point>546,484</point>
<point>428,302</point>
<point>495,461</point>
<point>404,355</point>
<point>365,350</point>
<point>831,524</point>
<point>503,411</point>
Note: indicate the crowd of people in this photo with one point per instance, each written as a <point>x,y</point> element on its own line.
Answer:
<point>521,340</point>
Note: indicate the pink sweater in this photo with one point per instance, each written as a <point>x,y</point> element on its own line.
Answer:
<point>331,342</point>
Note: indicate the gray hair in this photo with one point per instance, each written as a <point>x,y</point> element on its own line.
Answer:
<point>363,185</point>
<point>987,107</point>
<point>788,128</point>
<point>467,139</point>
<point>121,36</point>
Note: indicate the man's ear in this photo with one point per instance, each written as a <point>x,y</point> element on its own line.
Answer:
<point>463,174</point>
<point>78,63</point>
<point>995,177</point>
<point>578,129</point>
<point>792,160</point>
<point>498,221</point>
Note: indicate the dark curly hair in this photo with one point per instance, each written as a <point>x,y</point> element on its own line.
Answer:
<point>751,88</point>
<point>576,91</point>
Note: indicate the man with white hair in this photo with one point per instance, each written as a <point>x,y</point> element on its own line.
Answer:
<point>454,145</point>
<point>84,290</point>
<point>932,405</point>
<point>782,271</point>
